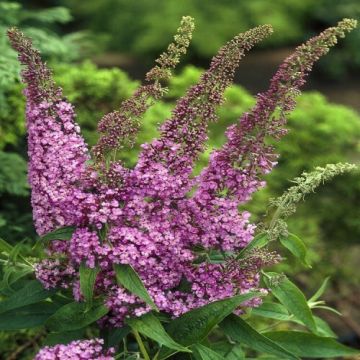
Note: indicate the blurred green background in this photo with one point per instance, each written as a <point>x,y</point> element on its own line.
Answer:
<point>100,50</point>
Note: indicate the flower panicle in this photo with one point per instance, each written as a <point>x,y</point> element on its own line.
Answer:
<point>93,349</point>
<point>36,74</point>
<point>184,134</point>
<point>170,58</point>
<point>119,128</point>
<point>57,152</point>
<point>307,183</point>
<point>236,168</point>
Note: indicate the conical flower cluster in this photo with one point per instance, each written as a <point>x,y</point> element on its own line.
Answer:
<point>179,232</point>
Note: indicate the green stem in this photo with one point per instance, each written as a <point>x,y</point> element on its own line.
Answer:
<point>141,345</point>
<point>276,216</point>
<point>156,355</point>
<point>125,347</point>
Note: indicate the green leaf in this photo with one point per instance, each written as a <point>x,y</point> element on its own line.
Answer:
<point>292,298</point>
<point>194,326</point>
<point>15,252</point>
<point>227,350</point>
<point>309,345</point>
<point>11,275</point>
<point>31,293</point>
<point>50,15</point>
<point>328,308</point>
<point>202,352</point>
<point>240,331</point>
<point>17,321</point>
<point>75,316</point>
<point>87,282</point>
<point>235,353</point>
<point>259,241</point>
<point>64,233</point>
<point>5,247</point>
<point>320,291</point>
<point>271,310</point>
<point>150,326</point>
<point>26,317</point>
<point>63,337</point>
<point>130,280</point>
<point>296,246</point>
<point>114,336</point>
<point>323,328</point>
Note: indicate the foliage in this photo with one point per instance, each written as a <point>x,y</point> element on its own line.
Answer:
<point>141,27</point>
<point>94,92</point>
<point>155,20</point>
<point>339,63</point>
<point>15,218</point>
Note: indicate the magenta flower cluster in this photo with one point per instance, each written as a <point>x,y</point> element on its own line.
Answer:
<point>77,350</point>
<point>157,217</point>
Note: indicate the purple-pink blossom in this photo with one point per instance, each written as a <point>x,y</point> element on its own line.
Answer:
<point>77,350</point>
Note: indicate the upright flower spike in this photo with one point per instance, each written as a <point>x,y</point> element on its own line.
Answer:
<point>305,184</point>
<point>184,134</point>
<point>57,152</point>
<point>120,126</point>
<point>236,168</point>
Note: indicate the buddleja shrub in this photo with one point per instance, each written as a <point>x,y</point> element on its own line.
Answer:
<point>154,262</point>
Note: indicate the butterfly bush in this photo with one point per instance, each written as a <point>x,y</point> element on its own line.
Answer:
<point>79,350</point>
<point>158,217</point>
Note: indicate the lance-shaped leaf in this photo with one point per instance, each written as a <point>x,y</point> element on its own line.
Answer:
<point>150,326</point>
<point>27,317</point>
<point>296,246</point>
<point>259,241</point>
<point>292,298</point>
<point>75,316</point>
<point>31,293</point>
<point>63,233</point>
<point>320,291</point>
<point>306,345</point>
<point>202,352</point>
<point>240,331</point>
<point>64,337</point>
<point>11,275</point>
<point>114,336</point>
<point>194,326</point>
<point>87,282</point>
<point>5,246</point>
<point>271,310</point>
<point>127,277</point>
<point>228,351</point>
